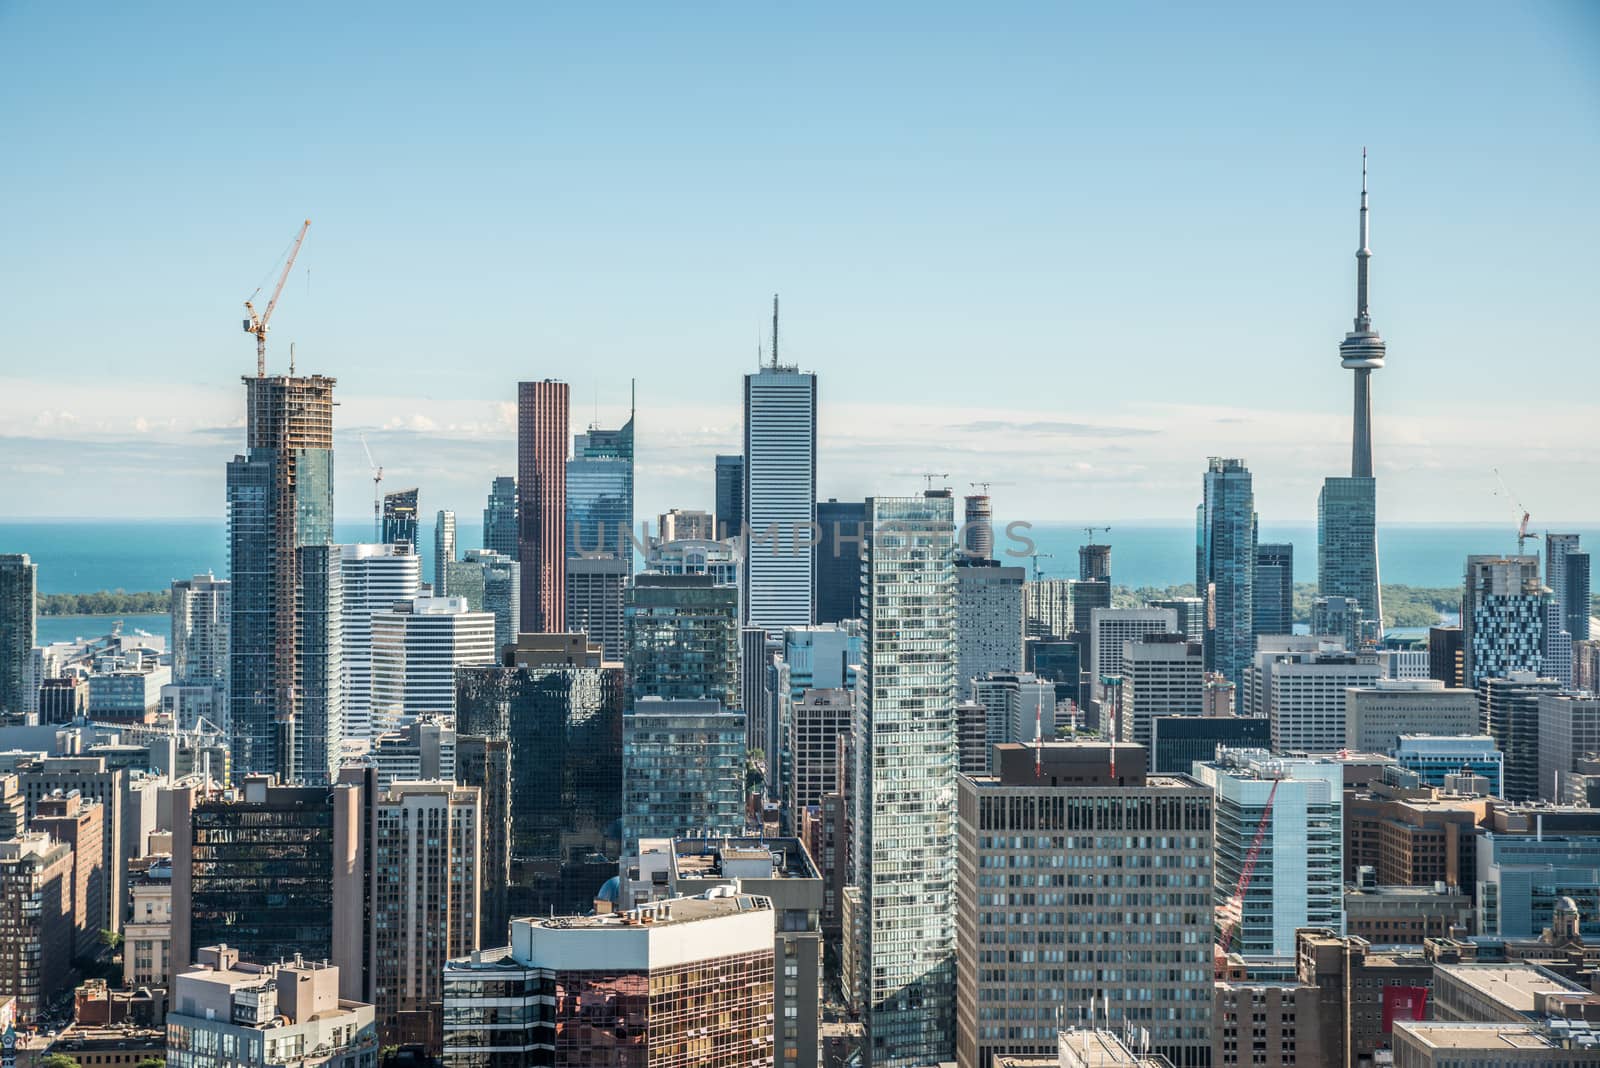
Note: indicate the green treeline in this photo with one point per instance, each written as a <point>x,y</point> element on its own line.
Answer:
<point>105,603</point>
<point>1403,606</point>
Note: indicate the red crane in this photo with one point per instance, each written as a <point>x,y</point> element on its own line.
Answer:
<point>1235,905</point>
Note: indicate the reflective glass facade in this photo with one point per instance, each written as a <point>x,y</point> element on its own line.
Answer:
<point>1347,542</point>
<point>600,493</point>
<point>263,875</point>
<point>683,770</point>
<point>1225,564</point>
<point>500,517</point>
<point>682,635</point>
<point>565,732</point>
<point>906,757</point>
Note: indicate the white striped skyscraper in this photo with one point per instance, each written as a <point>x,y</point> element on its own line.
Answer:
<point>780,492</point>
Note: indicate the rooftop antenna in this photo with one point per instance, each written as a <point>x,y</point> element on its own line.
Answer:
<point>291,359</point>
<point>774,331</point>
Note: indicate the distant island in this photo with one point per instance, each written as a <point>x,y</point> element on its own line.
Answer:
<point>105,603</point>
<point>1403,606</point>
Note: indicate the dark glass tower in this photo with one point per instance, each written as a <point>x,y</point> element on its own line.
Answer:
<point>1225,558</point>
<point>500,517</point>
<point>1274,589</point>
<point>400,518</point>
<point>18,589</point>
<point>563,725</point>
<point>839,552</point>
<point>730,496</point>
<point>280,501</point>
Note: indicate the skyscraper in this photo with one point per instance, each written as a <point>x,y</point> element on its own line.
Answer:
<point>1566,572</point>
<point>542,503</point>
<point>1504,617</point>
<point>780,491</point>
<point>444,552</point>
<point>375,578</point>
<point>1073,808</point>
<point>280,501</point>
<point>905,754</point>
<point>988,620</point>
<point>729,496</point>
<point>319,713</point>
<point>838,568</point>
<point>426,883</point>
<point>1299,874</point>
<point>400,517</point>
<point>682,770</point>
<point>559,711</point>
<point>600,494</point>
<point>200,615</point>
<point>1577,598</point>
<point>977,531</point>
<point>683,639</point>
<point>1094,563</point>
<point>500,517</point>
<point>492,582</point>
<point>1347,509</point>
<point>1225,564</point>
<point>417,645</point>
<point>1274,589</point>
<point>19,580</point>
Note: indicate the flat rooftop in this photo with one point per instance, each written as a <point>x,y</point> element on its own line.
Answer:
<point>1513,985</point>
<point>746,858</point>
<point>663,913</point>
<point>1484,1036</point>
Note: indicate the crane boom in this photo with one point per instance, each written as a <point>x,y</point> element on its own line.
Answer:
<point>258,324</point>
<point>1246,872</point>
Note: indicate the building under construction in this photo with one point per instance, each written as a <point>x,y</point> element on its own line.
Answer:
<point>284,698</point>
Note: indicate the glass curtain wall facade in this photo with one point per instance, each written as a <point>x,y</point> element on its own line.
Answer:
<point>906,753</point>
<point>1225,564</point>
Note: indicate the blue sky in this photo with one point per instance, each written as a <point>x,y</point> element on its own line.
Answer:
<point>1070,249</point>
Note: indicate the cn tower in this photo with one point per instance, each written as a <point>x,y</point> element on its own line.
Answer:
<point>1362,349</point>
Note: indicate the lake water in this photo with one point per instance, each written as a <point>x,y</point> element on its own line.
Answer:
<point>80,556</point>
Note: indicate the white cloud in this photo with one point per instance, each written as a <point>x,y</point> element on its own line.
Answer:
<point>1045,461</point>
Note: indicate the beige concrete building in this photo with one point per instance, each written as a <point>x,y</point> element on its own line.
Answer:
<point>1376,715</point>
<point>79,824</point>
<point>425,902</point>
<point>227,1013</point>
<point>1479,1045</point>
<point>1045,914</point>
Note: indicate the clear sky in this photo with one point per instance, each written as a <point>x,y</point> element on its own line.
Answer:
<point>1072,249</point>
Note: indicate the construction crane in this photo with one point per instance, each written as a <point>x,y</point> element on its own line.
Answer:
<point>1089,532</point>
<point>1038,572</point>
<point>981,485</point>
<point>1523,533</point>
<point>377,480</point>
<point>1235,905</point>
<point>258,324</point>
<point>929,476</point>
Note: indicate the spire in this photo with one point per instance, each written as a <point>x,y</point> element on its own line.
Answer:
<point>774,331</point>
<point>1363,256</point>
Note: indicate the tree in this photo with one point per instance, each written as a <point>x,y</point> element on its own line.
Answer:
<point>57,1060</point>
<point>110,938</point>
<point>152,1062</point>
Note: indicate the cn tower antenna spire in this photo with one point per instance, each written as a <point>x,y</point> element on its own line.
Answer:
<point>1362,349</point>
<point>1363,256</point>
